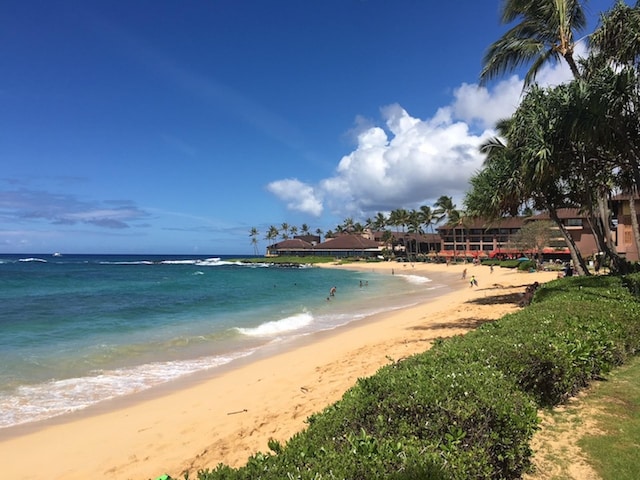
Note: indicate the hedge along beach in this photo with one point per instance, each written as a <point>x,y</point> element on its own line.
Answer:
<point>229,413</point>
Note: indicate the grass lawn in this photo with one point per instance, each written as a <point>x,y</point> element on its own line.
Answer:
<point>615,453</point>
<point>595,436</point>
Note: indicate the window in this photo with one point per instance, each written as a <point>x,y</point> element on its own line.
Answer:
<point>628,235</point>
<point>573,222</point>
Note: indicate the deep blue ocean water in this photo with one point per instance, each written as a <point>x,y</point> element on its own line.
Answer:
<point>79,329</point>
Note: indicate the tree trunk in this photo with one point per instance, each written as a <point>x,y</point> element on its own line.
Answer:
<point>572,65</point>
<point>619,265</point>
<point>578,261</point>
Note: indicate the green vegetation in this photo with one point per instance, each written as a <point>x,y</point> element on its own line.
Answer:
<point>614,454</point>
<point>467,407</point>
<point>568,146</point>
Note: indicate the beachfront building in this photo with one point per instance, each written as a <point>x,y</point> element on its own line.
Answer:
<point>340,246</point>
<point>477,238</point>
<point>579,228</point>
<point>623,228</point>
<point>474,238</point>
<point>480,239</point>
<point>291,247</point>
<point>348,245</point>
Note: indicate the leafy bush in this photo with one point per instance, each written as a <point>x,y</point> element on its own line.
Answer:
<point>526,265</point>
<point>509,264</point>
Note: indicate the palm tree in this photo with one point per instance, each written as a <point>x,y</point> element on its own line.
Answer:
<point>446,209</point>
<point>545,31</point>
<point>380,221</point>
<point>271,235</point>
<point>347,225</point>
<point>284,231</point>
<point>618,36</point>
<point>304,229</point>
<point>427,217</point>
<point>415,227</point>
<point>319,232</point>
<point>399,218</point>
<point>253,233</point>
<point>387,238</point>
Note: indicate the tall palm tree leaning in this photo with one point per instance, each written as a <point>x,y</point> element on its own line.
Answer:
<point>545,32</point>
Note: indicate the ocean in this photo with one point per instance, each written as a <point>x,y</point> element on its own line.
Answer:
<point>76,330</point>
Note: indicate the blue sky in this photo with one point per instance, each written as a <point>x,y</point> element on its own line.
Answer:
<point>176,127</point>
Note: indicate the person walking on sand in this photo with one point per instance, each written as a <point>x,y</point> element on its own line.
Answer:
<point>464,273</point>
<point>473,282</point>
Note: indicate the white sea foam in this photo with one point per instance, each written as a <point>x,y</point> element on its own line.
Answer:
<point>31,403</point>
<point>32,259</point>
<point>416,279</point>
<point>211,262</point>
<point>276,327</point>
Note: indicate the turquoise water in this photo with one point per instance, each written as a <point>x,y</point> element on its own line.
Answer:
<point>78,330</point>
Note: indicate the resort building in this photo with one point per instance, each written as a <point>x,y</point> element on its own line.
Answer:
<point>475,238</point>
<point>345,245</point>
<point>479,239</point>
<point>623,227</point>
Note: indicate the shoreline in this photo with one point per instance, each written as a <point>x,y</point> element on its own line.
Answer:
<point>227,415</point>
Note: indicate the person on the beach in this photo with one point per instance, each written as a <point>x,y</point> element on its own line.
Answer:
<point>464,273</point>
<point>332,292</point>
<point>473,282</point>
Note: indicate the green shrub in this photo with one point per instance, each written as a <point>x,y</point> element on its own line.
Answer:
<point>509,264</point>
<point>526,265</point>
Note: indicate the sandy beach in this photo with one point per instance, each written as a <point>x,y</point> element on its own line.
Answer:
<point>227,416</point>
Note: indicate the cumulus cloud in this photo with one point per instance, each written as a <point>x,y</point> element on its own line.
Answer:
<point>478,105</point>
<point>409,161</point>
<point>403,163</point>
<point>297,195</point>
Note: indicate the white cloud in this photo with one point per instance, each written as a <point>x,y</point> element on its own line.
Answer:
<point>409,161</point>
<point>415,161</point>
<point>298,196</point>
<point>475,104</point>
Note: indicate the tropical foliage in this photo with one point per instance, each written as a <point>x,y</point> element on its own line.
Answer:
<point>573,145</point>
